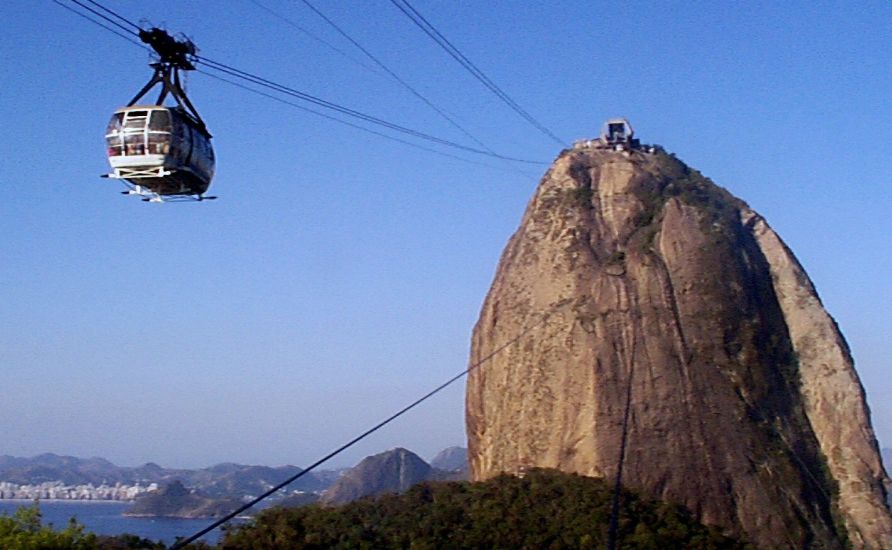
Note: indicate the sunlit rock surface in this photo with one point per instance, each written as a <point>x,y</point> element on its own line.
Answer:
<point>631,270</point>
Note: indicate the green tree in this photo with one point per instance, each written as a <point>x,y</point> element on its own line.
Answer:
<point>543,509</point>
<point>24,530</point>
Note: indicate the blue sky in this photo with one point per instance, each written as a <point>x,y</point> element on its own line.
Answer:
<point>339,275</point>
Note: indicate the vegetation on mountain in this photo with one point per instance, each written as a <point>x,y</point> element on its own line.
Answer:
<point>542,509</point>
<point>176,501</point>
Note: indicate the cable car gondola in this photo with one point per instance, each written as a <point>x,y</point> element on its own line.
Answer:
<point>162,152</point>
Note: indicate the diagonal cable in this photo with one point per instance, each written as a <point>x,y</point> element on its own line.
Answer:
<point>313,36</point>
<point>101,24</point>
<point>396,77</point>
<point>232,71</point>
<point>346,123</point>
<point>421,22</point>
<point>115,14</point>
<point>103,16</point>
<point>181,543</point>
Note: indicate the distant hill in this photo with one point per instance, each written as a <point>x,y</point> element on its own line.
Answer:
<point>222,480</point>
<point>392,471</point>
<point>175,501</point>
<point>451,459</point>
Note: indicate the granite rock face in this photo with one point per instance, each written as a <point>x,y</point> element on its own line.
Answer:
<point>633,275</point>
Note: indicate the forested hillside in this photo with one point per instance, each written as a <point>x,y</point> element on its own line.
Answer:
<point>543,509</point>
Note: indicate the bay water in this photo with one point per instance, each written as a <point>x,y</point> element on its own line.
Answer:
<point>104,518</point>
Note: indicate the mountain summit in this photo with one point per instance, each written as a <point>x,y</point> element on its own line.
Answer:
<point>392,471</point>
<point>632,276</point>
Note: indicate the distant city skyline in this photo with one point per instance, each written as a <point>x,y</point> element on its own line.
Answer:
<point>339,275</point>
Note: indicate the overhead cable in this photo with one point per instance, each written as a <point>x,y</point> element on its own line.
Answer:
<point>103,25</point>
<point>115,14</point>
<point>106,17</point>
<point>396,77</point>
<point>419,20</point>
<point>260,81</point>
<point>613,525</point>
<point>282,89</point>
<point>344,122</point>
<point>331,46</point>
<point>545,316</point>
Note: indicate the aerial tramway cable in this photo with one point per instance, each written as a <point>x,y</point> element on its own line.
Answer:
<point>545,316</point>
<point>421,22</point>
<point>344,122</point>
<point>397,78</point>
<point>302,29</point>
<point>103,25</point>
<point>303,96</point>
<point>107,18</point>
<point>279,99</point>
<point>260,81</point>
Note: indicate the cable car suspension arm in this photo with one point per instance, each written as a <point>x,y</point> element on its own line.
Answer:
<point>173,55</point>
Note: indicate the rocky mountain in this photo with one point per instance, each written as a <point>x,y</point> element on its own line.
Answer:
<point>634,279</point>
<point>393,471</point>
<point>451,459</point>
<point>176,501</point>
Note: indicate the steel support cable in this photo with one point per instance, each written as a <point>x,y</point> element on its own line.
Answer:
<point>396,77</point>
<point>107,18</point>
<point>254,79</point>
<point>115,14</point>
<point>314,37</point>
<point>613,527</point>
<point>103,25</point>
<point>416,17</point>
<point>350,124</point>
<point>421,22</point>
<point>450,48</point>
<point>302,95</point>
<point>181,543</point>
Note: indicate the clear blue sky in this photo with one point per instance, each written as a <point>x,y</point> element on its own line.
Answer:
<point>340,274</point>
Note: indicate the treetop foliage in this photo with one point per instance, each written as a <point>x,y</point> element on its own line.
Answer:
<point>542,509</point>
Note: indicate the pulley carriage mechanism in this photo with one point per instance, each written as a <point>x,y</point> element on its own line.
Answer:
<point>162,153</point>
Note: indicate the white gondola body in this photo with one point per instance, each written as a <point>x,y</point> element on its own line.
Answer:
<point>161,149</point>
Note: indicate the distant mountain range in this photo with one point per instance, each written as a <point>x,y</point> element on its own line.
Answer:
<point>222,480</point>
<point>392,471</point>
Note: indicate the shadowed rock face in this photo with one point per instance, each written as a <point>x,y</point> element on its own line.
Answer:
<point>638,275</point>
